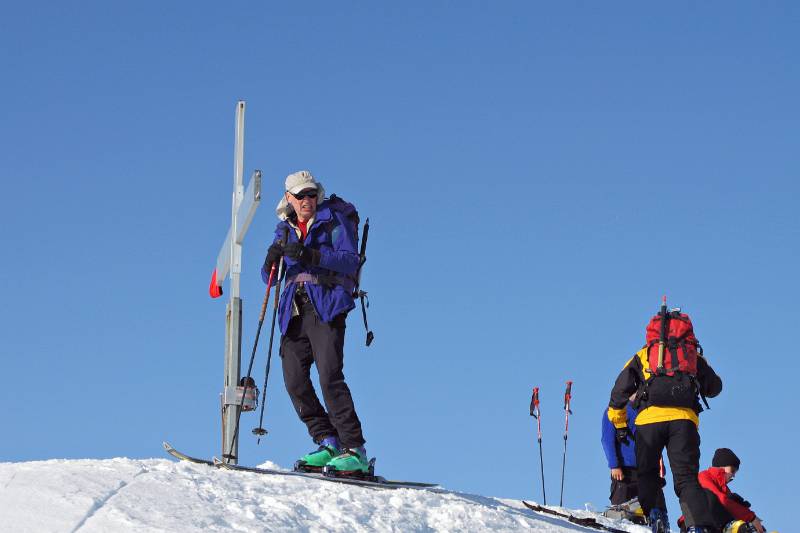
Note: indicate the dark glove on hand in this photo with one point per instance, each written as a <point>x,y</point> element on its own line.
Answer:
<point>301,253</point>
<point>624,436</point>
<point>273,255</point>
<point>738,499</point>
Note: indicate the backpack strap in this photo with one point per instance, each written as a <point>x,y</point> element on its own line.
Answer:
<point>699,391</point>
<point>697,385</point>
<point>673,344</point>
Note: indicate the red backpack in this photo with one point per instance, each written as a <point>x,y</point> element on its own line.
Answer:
<point>681,347</point>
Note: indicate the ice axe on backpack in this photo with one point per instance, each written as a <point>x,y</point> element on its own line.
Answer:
<point>357,292</point>
<point>662,340</point>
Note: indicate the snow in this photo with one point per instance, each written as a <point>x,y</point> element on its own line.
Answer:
<point>160,495</point>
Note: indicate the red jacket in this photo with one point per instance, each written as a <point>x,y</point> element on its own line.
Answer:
<point>713,479</point>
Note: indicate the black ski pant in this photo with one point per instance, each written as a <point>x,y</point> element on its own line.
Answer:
<point>628,489</point>
<point>625,490</point>
<point>682,441</point>
<point>307,341</point>
<point>722,517</point>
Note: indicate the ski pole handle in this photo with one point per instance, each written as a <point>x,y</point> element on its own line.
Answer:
<point>535,403</point>
<point>568,397</point>
<point>281,268</point>
<point>567,410</point>
<point>272,270</point>
<point>266,296</point>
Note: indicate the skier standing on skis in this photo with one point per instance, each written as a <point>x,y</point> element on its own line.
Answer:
<point>667,389</point>
<point>321,264</point>
<point>731,512</point>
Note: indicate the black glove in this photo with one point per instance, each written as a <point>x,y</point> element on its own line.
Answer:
<point>273,255</point>
<point>738,499</point>
<point>301,253</point>
<point>624,436</point>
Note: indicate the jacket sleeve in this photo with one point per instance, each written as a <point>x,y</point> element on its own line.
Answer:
<point>608,438</point>
<point>708,380</point>
<point>713,479</point>
<point>344,256</point>
<point>626,384</point>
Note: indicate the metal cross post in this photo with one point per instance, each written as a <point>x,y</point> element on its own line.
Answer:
<point>243,208</point>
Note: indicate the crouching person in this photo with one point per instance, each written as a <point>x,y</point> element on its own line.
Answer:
<point>731,512</point>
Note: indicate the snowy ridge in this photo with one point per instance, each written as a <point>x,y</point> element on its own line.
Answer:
<point>159,495</point>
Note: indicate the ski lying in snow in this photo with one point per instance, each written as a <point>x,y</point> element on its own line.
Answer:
<point>183,457</point>
<point>587,522</point>
<point>377,482</point>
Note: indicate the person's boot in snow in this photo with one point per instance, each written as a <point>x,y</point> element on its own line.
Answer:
<point>352,461</point>
<point>659,523</point>
<point>316,460</point>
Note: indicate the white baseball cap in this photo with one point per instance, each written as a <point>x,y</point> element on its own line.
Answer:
<point>296,182</point>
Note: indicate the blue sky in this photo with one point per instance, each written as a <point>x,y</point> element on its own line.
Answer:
<point>537,175</point>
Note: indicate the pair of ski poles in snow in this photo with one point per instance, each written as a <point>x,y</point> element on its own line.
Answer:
<point>538,416</point>
<point>275,275</point>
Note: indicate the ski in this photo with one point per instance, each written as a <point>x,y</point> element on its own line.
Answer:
<point>377,482</point>
<point>183,457</point>
<point>586,522</point>
<point>373,481</point>
<point>630,511</point>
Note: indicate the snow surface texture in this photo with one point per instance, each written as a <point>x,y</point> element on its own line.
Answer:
<point>158,495</point>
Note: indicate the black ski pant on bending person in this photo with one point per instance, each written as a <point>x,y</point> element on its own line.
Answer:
<point>625,490</point>
<point>309,341</point>
<point>628,489</point>
<point>721,516</point>
<point>682,441</point>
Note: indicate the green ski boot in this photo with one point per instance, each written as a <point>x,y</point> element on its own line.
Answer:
<point>351,462</point>
<point>316,460</point>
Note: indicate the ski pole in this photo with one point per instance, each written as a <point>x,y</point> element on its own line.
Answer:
<point>567,412</point>
<point>247,380</point>
<point>260,431</point>
<point>538,416</point>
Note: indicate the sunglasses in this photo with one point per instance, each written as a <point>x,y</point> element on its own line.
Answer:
<point>312,194</point>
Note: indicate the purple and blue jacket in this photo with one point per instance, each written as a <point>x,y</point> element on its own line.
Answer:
<point>334,234</point>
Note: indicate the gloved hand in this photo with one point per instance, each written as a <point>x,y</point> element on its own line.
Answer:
<point>274,253</point>
<point>301,253</point>
<point>624,435</point>
<point>738,499</point>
